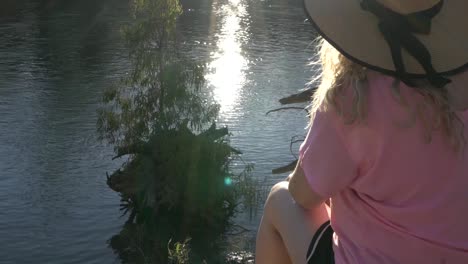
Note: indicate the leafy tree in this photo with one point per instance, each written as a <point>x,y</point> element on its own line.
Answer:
<point>163,87</point>
<point>177,181</point>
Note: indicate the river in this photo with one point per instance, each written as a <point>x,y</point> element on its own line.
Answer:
<point>56,57</point>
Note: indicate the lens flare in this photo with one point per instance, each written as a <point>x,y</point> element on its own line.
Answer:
<point>227,181</point>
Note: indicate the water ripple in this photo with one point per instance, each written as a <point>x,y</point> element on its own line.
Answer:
<point>56,206</point>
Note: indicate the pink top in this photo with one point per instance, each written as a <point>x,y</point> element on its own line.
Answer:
<point>395,197</point>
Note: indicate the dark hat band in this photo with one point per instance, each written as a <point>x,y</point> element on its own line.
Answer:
<point>398,29</point>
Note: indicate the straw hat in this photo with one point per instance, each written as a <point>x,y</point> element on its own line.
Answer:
<point>405,38</point>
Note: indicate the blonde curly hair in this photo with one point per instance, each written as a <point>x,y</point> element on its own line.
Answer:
<point>338,72</point>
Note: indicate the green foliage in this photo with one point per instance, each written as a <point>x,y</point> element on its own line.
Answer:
<point>179,252</point>
<point>177,181</point>
<point>162,89</point>
<point>180,185</point>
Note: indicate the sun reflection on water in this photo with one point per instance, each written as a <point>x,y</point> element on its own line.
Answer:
<point>227,69</point>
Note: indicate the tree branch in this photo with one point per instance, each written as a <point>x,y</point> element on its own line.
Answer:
<point>284,169</point>
<point>302,97</point>
<point>286,108</point>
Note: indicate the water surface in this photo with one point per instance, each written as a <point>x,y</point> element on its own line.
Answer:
<point>56,57</point>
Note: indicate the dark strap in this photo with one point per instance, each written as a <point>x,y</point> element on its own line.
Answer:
<point>398,30</point>
<point>321,246</point>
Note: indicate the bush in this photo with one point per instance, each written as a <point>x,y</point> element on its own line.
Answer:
<point>176,182</point>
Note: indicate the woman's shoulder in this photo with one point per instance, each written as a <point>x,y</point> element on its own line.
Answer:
<point>391,101</point>
<point>458,91</point>
<point>386,89</point>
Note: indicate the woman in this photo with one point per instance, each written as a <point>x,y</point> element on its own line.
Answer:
<point>383,173</point>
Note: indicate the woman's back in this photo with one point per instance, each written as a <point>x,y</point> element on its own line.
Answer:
<point>408,200</point>
<point>390,153</point>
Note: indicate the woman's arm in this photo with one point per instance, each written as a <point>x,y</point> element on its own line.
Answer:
<point>301,191</point>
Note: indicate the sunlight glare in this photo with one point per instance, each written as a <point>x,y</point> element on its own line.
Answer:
<point>228,65</point>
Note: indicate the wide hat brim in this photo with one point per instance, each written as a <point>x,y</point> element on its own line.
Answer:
<point>355,33</point>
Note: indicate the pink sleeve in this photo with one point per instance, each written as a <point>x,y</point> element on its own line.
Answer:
<point>325,158</point>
